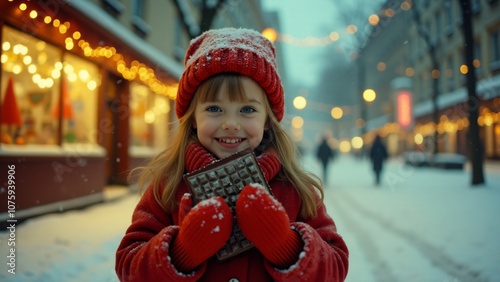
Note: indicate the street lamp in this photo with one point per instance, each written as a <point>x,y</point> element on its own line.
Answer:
<point>357,142</point>
<point>337,113</point>
<point>297,128</point>
<point>299,102</point>
<point>297,122</point>
<point>270,33</point>
<point>369,95</point>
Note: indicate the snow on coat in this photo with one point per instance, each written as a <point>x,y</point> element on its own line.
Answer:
<point>143,254</point>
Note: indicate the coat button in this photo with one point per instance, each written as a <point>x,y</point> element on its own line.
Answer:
<point>234,280</point>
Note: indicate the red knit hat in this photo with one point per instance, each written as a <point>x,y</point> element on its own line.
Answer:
<point>242,51</point>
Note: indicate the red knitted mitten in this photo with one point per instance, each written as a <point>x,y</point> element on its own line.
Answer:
<point>185,206</point>
<point>203,231</point>
<point>265,223</point>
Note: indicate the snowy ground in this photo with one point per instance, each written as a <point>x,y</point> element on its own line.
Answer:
<point>419,225</point>
<point>422,224</point>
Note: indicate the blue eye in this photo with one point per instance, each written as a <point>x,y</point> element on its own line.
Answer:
<point>213,109</point>
<point>247,110</point>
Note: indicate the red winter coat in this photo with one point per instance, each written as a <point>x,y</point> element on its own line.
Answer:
<point>143,254</point>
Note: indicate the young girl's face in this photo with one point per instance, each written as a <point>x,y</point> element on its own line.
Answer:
<point>225,127</point>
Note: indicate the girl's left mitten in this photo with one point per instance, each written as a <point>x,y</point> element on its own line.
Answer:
<point>203,231</point>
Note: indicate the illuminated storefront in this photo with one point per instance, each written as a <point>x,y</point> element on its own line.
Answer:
<point>79,107</point>
<point>37,72</point>
<point>452,130</point>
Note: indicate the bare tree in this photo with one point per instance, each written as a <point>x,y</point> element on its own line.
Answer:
<point>354,14</point>
<point>476,149</point>
<point>209,10</point>
<point>423,31</point>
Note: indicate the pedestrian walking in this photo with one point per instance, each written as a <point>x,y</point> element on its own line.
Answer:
<point>230,98</point>
<point>378,154</point>
<point>325,154</point>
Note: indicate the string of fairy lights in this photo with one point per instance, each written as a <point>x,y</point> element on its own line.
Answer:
<point>128,70</point>
<point>336,112</point>
<point>335,36</point>
<point>139,70</point>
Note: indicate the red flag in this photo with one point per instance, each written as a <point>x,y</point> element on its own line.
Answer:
<point>10,111</point>
<point>67,108</point>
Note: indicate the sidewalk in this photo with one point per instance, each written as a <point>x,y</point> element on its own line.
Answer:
<point>116,192</point>
<point>490,166</point>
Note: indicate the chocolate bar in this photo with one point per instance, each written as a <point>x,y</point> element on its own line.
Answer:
<point>226,178</point>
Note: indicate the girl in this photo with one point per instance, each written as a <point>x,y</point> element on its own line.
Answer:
<point>230,98</point>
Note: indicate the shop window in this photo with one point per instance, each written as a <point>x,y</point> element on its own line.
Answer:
<point>161,109</point>
<point>30,88</point>
<point>34,82</point>
<point>142,116</point>
<point>149,118</point>
<point>489,144</point>
<point>79,91</point>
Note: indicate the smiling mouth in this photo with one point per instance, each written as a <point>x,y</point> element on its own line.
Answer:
<point>229,140</point>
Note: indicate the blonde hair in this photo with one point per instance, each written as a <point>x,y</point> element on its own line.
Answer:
<point>167,168</point>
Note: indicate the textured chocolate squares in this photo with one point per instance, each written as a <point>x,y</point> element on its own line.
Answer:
<point>226,178</point>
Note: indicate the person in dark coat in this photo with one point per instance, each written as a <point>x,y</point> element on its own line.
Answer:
<point>324,154</point>
<point>378,153</point>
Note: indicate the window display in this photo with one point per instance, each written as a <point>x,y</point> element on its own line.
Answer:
<point>161,109</point>
<point>79,99</point>
<point>30,75</point>
<point>148,121</point>
<point>34,82</point>
<point>141,117</point>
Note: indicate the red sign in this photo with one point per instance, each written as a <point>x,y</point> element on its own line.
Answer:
<point>404,109</point>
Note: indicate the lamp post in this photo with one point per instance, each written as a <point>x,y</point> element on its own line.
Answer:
<point>299,102</point>
<point>270,33</point>
<point>297,129</point>
<point>369,95</point>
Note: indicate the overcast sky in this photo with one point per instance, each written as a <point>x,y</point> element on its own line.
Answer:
<point>314,18</point>
<point>301,19</point>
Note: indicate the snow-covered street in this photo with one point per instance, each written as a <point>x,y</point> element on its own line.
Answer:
<point>421,224</point>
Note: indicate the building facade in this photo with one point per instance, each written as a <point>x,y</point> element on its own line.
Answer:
<point>88,90</point>
<point>407,54</point>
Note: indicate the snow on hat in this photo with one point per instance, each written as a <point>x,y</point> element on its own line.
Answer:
<point>242,51</point>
